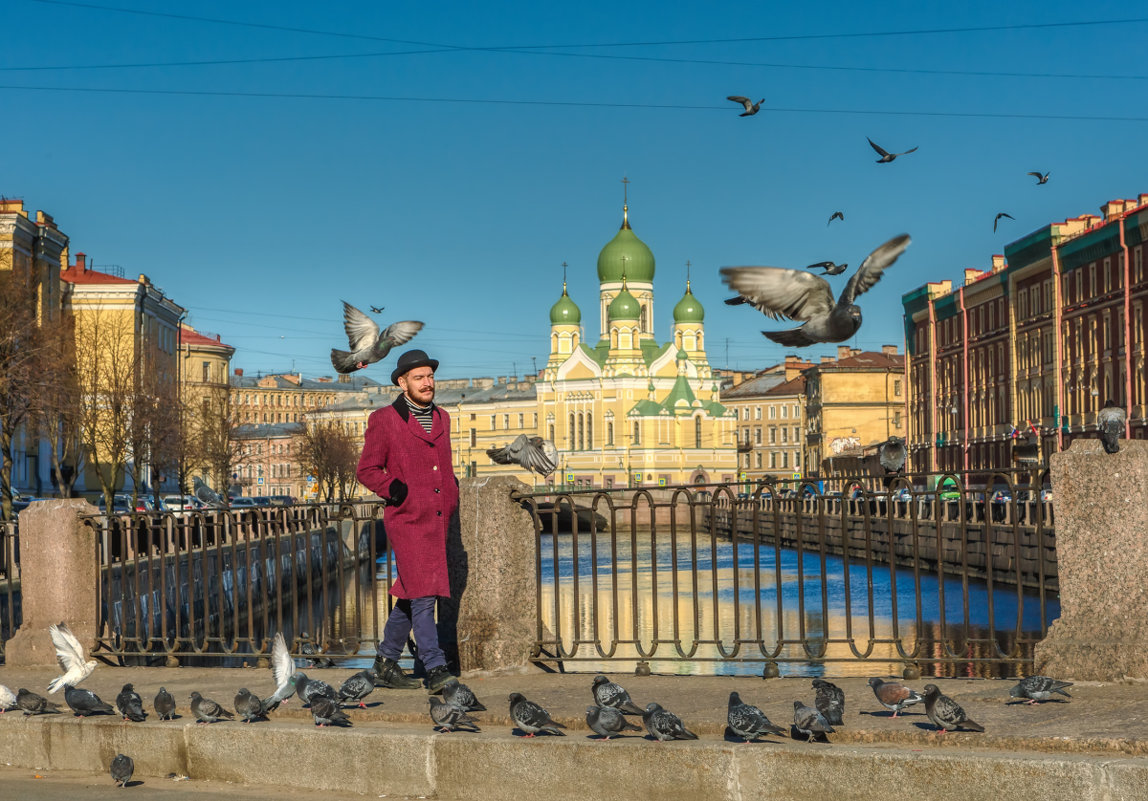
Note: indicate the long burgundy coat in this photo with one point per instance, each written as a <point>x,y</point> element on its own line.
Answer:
<point>396,446</point>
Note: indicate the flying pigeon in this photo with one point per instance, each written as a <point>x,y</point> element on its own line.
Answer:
<point>122,769</point>
<point>326,712</point>
<point>607,693</point>
<point>1039,688</point>
<point>747,721</point>
<point>829,267</point>
<point>665,725</point>
<point>809,721</point>
<point>85,702</point>
<point>891,454</point>
<point>249,707</point>
<point>448,717</point>
<point>357,687</point>
<point>751,108</point>
<point>946,713</point>
<point>33,704</point>
<point>998,218</point>
<point>608,721</point>
<point>130,705</point>
<point>1110,420</point>
<point>206,710</point>
<point>283,670</point>
<point>532,718</point>
<point>886,156</point>
<point>893,695</point>
<point>1040,178</point>
<point>164,704</point>
<point>459,695</point>
<point>70,655</point>
<point>206,493</point>
<point>310,689</point>
<point>314,656</point>
<point>830,701</point>
<point>7,699</point>
<point>779,293</point>
<point>837,215</point>
<point>368,345</point>
<point>377,309</point>
<point>533,453</point>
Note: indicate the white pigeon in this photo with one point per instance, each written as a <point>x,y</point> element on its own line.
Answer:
<point>70,655</point>
<point>282,668</point>
<point>7,698</point>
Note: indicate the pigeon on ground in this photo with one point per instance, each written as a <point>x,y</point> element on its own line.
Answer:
<point>70,655</point>
<point>447,717</point>
<point>809,721</point>
<point>130,705</point>
<point>997,219</point>
<point>608,721</point>
<point>7,699</point>
<point>892,454</point>
<point>85,702</point>
<point>893,695</point>
<point>122,769</point>
<point>532,718</point>
<point>357,687</point>
<point>314,656</point>
<point>164,704</point>
<point>283,670</point>
<point>837,215</point>
<point>665,725</point>
<point>1041,178</point>
<point>1039,688</point>
<point>886,156</point>
<point>533,453</point>
<point>751,108</point>
<point>459,695</point>
<point>778,293</point>
<point>1110,420</point>
<point>946,713</point>
<point>607,693</point>
<point>829,267</point>
<point>206,710</point>
<point>249,707</point>
<point>377,309</point>
<point>309,689</point>
<point>368,344</point>
<point>747,721</point>
<point>326,712</point>
<point>33,704</point>
<point>830,701</point>
<point>205,493</point>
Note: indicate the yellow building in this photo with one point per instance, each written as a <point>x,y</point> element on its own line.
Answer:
<point>770,411</point>
<point>206,414</point>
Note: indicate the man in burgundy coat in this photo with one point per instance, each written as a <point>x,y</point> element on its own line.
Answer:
<point>406,460</point>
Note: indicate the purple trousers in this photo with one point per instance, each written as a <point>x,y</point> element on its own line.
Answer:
<point>417,615</point>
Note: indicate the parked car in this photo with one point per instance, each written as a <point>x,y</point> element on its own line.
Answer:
<point>182,503</point>
<point>243,503</point>
<point>282,500</point>
<point>261,500</point>
<point>121,504</point>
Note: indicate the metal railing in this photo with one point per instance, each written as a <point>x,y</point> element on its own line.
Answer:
<point>10,606</point>
<point>865,574</point>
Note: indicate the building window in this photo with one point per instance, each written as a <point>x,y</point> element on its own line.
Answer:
<point>773,460</point>
<point>637,438</point>
<point>505,422</point>
<point>521,420</point>
<point>590,430</point>
<point>772,435</point>
<point>493,421</point>
<point>610,432</point>
<point>785,460</point>
<point>534,425</point>
<point>897,387</point>
<point>551,432</point>
<point>473,438</point>
<point>572,432</point>
<point>784,434</point>
<point>772,412</point>
<point>757,436</point>
<point>797,458</point>
<point>757,459</point>
<point>784,412</point>
<point>697,432</point>
<point>756,412</point>
<point>581,432</point>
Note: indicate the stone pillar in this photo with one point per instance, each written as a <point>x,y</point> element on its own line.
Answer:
<point>1101,503</point>
<point>493,568</point>
<point>59,578</point>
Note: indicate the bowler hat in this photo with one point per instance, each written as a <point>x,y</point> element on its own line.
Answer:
<point>409,361</point>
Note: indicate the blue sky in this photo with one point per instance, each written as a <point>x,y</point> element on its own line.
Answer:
<point>258,208</point>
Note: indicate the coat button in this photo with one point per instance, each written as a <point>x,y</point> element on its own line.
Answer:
<point>431,444</point>
<point>436,489</point>
<point>439,514</point>
<point>434,467</point>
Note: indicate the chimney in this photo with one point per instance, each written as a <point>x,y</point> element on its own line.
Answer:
<point>238,372</point>
<point>889,350</point>
<point>1142,200</point>
<point>1112,209</point>
<point>843,352</point>
<point>827,360</point>
<point>998,262</point>
<point>81,262</point>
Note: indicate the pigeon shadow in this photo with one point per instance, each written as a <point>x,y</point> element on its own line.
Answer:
<point>930,726</point>
<point>134,783</point>
<point>1022,702</point>
<point>520,733</point>
<point>884,713</point>
<point>821,738</point>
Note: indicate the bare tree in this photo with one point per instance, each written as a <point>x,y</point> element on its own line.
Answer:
<point>153,430</point>
<point>21,359</point>
<point>331,455</point>
<point>57,406</point>
<point>210,443</point>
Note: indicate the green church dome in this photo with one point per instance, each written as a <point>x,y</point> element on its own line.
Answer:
<point>565,311</point>
<point>689,310</point>
<point>624,307</point>
<point>638,263</point>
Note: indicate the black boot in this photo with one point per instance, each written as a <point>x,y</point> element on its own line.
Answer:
<point>437,677</point>
<point>389,674</point>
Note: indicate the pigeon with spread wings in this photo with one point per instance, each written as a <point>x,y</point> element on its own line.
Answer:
<point>368,343</point>
<point>886,156</point>
<point>70,655</point>
<point>533,453</point>
<point>751,108</point>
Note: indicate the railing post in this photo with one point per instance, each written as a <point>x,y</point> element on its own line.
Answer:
<point>59,578</point>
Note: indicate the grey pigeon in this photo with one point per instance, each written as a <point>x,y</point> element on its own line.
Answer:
<point>164,704</point>
<point>130,705</point>
<point>309,689</point>
<point>781,293</point>
<point>665,725</point>
<point>357,687</point>
<point>206,493</point>
<point>368,344</point>
<point>7,699</point>
<point>532,718</point>
<point>829,267</point>
<point>747,721</point>
<point>837,215</point>
<point>997,219</point>
<point>830,701</point>
<point>448,717</point>
<point>946,713</point>
<point>85,702</point>
<point>122,769</point>
<point>249,707</point>
<point>1039,688</point>
<point>751,108</point>
<point>33,704</point>
<point>607,693</point>
<point>608,721</point>
<point>313,654</point>
<point>533,453</point>
<point>886,156</point>
<point>1041,178</point>
<point>206,710</point>
<point>326,712</point>
<point>1110,420</point>
<point>891,454</point>
<point>893,695</point>
<point>459,695</point>
<point>809,721</point>
<point>377,309</point>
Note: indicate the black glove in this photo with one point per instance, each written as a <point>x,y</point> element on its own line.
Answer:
<point>398,493</point>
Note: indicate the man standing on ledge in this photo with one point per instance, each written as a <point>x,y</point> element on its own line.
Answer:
<point>406,460</point>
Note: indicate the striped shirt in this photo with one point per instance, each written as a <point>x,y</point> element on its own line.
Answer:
<point>424,414</point>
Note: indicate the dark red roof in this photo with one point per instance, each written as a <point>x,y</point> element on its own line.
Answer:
<point>77,275</point>
<point>190,336</point>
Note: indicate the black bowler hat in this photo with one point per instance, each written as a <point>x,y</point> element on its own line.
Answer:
<point>409,361</point>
